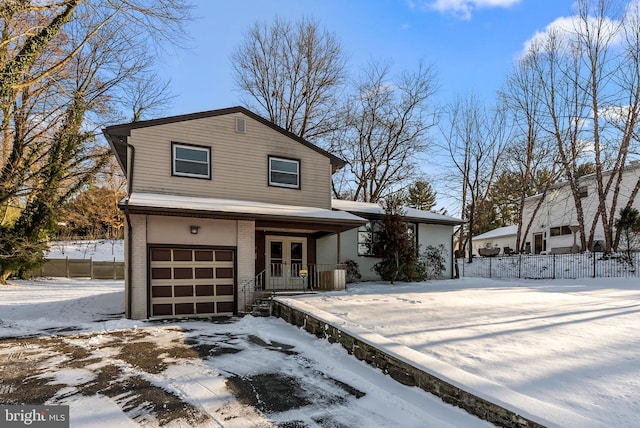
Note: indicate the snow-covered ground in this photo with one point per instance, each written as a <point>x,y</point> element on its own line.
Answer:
<point>559,350</point>
<point>98,250</point>
<point>566,352</point>
<point>117,372</point>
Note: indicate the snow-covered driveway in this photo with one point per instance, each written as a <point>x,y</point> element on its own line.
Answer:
<point>64,342</point>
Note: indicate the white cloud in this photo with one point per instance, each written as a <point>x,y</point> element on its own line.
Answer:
<point>567,28</point>
<point>463,8</point>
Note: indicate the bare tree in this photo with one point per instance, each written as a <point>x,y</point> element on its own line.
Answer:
<point>475,137</point>
<point>590,93</point>
<point>63,67</point>
<point>531,157</point>
<point>383,131</point>
<point>291,72</point>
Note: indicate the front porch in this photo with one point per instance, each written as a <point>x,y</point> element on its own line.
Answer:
<point>293,278</point>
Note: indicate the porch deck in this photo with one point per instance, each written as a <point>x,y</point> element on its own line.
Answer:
<point>294,278</point>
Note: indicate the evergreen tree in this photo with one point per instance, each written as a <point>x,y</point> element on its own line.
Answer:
<point>396,247</point>
<point>628,225</point>
<point>420,195</point>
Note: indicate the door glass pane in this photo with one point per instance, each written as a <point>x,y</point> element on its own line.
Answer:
<point>296,258</point>
<point>276,258</point>
<point>296,252</point>
<point>276,252</point>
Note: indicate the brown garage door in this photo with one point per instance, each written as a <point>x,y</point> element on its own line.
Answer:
<point>192,282</point>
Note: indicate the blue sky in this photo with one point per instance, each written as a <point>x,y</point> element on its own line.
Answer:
<point>470,43</point>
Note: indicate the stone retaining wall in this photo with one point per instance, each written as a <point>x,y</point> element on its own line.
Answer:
<point>404,372</point>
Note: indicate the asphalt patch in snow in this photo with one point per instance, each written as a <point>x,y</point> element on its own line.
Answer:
<point>130,367</point>
<point>28,369</point>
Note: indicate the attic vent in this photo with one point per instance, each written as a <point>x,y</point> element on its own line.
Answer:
<point>240,125</point>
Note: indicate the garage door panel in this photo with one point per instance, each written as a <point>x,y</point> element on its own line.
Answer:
<point>160,273</point>
<point>162,291</point>
<point>192,282</point>
<point>204,272</point>
<point>224,256</point>
<point>204,256</point>
<point>224,290</point>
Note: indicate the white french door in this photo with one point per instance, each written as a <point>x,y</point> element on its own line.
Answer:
<point>286,255</point>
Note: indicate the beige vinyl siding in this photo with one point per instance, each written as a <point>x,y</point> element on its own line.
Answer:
<point>239,162</point>
<point>177,231</point>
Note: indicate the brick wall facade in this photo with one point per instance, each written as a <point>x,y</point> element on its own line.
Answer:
<point>246,245</point>
<point>137,284</point>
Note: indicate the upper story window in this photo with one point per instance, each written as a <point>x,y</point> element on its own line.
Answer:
<point>191,161</point>
<point>583,191</point>
<point>284,172</point>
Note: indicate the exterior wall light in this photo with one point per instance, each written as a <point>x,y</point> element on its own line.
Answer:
<point>194,229</point>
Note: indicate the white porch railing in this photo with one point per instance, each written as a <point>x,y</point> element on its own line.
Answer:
<point>279,277</point>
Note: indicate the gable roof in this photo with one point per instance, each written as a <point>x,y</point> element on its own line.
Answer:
<point>500,232</point>
<point>117,135</point>
<point>374,211</point>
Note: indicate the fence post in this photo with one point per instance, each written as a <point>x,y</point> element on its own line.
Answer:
<point>115,274</point>
<point>594,264</point>
<point>519,266</point>
<point>553,271</point>
<point>66,266</point>
<point>490,266</point>
<point>91,267</point>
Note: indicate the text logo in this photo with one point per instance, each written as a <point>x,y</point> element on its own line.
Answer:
<point>34,416</point>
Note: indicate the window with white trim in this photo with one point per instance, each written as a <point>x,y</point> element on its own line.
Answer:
<point>367,237</point>
<point>284,172</point>
<point>191,161</point>
<point>369,240</point>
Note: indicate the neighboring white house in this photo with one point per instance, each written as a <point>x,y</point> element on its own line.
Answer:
<point>503,238</point>
<point>428,229</point>
<point>552,229</point>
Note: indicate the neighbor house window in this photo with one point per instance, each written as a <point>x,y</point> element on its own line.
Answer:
<point>284,172</point>
<point>560,230</point>
<point>191,161</point>
<point>583,191</point>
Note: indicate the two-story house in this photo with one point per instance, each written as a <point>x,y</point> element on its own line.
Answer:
<point>213,198</point>
<point>221,203</point>
<point>554,226</point>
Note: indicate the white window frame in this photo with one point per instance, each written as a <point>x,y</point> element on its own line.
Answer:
<point>297,174</point>
<point>367,235</point>
<point>365,239</point>
<point>174,158</point>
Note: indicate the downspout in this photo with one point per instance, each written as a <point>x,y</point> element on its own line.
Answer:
<point>455,274</point>
<point>131,158</point>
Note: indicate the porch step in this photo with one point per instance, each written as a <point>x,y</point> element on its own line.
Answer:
<point>261,308</point>
<point>262,305</point>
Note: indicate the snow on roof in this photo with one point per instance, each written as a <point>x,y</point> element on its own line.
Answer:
<point>233,206</point>
<point>498,233</point>
<point>367,208</point>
